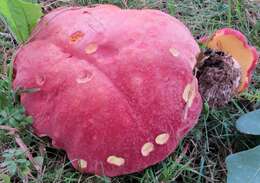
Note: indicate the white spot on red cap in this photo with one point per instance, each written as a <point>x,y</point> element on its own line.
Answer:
<point>189,93</point>
<point>40,80</point>
<point>84,77</point>
<point>162,138</point>
<point>188,96</point>
<point>91,48</point>
<point>147,148</point>
<point>174,52</point>
<point>115,160</point>
<point>82,164</point>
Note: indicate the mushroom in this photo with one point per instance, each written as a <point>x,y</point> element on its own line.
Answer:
<point>116,88</point>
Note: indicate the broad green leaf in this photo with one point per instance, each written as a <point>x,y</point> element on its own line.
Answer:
<point>249,123</point>
<point>21,17</point>
<point>244,167</point>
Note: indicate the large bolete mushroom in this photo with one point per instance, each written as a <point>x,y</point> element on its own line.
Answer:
<point>115,88</point>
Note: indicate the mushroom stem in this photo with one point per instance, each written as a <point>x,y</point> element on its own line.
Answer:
<point>219,77</point>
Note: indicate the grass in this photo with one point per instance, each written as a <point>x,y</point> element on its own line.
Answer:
<point>199,158</point>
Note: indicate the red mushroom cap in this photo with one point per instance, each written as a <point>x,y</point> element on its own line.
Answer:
<point>116,89</point>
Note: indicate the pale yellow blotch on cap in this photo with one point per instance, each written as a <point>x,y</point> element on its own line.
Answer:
<point>114,160</point>
<point>147,148</point>
<point>162,138</point>
<point>82,164</point>
<point>186,91</point>
<point>174,52</point>
<point>91,48</point>
<point>189,93</point>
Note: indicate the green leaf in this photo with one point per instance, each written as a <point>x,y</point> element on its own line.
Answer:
<point>25,171</point>
<point>21,161</point>
<point>244,167</point>
<point>21,17</point>
<point>249,123</point>
<point>5,178</point>
<point>12,168</point>
<point>18,152</point>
